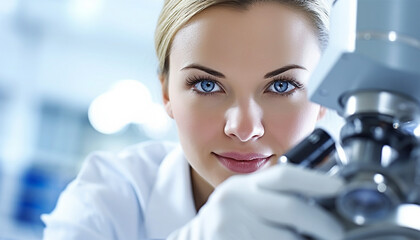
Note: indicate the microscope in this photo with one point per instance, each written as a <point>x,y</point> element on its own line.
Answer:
<point>370,75</point>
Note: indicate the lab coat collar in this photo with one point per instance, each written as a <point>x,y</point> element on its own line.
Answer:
<point>171,203</point>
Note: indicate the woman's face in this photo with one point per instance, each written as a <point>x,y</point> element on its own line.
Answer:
<point>238,87</point>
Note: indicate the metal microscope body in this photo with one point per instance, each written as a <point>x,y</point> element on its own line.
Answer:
<point>370,75</point>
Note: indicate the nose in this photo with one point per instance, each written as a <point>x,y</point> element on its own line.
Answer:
<point>244,121</point>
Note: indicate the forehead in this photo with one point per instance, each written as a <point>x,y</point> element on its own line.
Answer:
<point>263,33</point>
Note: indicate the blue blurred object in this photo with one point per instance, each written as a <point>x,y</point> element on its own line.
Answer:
<point>40,187</point>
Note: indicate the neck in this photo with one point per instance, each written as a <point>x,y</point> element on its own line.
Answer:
<point>201,189</point>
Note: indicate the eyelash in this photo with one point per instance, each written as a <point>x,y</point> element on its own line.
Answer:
<point>289,80</point>
<point>193,80</point>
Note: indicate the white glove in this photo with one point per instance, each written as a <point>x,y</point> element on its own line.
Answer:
<point>266,205</point>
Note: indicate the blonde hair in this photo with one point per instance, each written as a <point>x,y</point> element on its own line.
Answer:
<point>176,13</point>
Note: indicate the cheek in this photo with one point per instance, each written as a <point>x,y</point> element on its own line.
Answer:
<point>291,123</point>
<point>196,123</point>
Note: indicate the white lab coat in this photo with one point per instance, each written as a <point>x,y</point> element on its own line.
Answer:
<point>142,193</point>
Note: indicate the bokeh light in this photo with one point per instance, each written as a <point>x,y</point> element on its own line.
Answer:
<point>84,11</point>
<point>128,102</point>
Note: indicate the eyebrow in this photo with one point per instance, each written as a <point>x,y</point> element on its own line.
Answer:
<point>282,70</point>
<point>221,75</point>
<point>205,69</point>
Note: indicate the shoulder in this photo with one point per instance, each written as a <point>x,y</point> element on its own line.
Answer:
<point>142,157</point>
<point>150,152</point>
<point>135,166</point>
<point>110,192</point>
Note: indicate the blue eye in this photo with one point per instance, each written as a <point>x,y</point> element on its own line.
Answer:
<point>207,86</point>
<point>279,86</point>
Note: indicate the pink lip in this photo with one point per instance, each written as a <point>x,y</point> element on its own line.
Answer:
<point>242,162</point>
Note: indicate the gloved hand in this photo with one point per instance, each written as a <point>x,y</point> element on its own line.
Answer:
<point>266,205</point>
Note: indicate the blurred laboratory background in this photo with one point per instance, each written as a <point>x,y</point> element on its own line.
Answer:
<point>76,76</point>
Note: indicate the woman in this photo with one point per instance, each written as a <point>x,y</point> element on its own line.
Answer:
<point>234,76</point>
